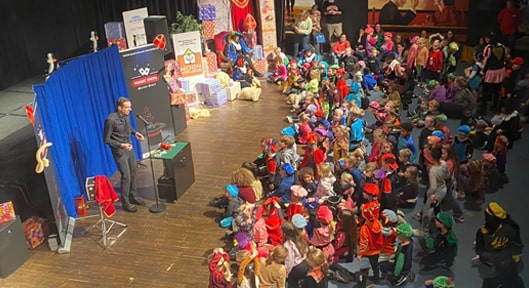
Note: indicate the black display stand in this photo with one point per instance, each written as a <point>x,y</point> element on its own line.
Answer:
<point>179,173</point>
<point>13,249</point>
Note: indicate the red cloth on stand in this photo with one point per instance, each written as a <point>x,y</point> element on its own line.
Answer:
<point>239,10</point>
<point>105,195</point>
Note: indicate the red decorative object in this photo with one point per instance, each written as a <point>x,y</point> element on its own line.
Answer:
<point>7,212</point>
<point>80,206</point>
<point>261,66</point>
<point>29,113</point>
<point>178,98</point>
<point>249,22</point>
<point>208,29</point>
<point>159,41</point>
<point>120,42</point>
<point>33,231</point>
<point>213,68</point>
<point>239,10</point>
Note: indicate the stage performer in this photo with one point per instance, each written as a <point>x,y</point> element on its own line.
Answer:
<point>390,14</point>
<point>117,136</point>
<point>236,48</point>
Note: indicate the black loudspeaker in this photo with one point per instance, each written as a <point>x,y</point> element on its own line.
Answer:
<point>13,249</point>
<point>179,118</point>
<point>155,25</point>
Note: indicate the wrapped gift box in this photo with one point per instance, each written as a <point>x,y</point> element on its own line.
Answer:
<point>211,58</point>
<point>114,30</point>
<point>185,85</point>
<point>208,29</point>
<point>120,42</point>
<point>250,37</point>
<point>233,90</point>
<point>34,232</point>
<point>258,53</point>
<point>178,98</point>
<point>261,66</point>
<point>191,99</point>
<point>7,212</point>
<point>209,86</point>
<point>217,99</point>
<point>188,116</point>
<point>207,12</point>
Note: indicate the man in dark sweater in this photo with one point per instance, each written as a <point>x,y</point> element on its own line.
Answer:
<point>117,135</point>
<point>333,20</point>
<point>390,14</point>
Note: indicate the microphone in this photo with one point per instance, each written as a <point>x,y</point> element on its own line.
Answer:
<point>147,123</point>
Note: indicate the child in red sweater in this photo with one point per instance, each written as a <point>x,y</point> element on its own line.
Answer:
<point>435,61</point>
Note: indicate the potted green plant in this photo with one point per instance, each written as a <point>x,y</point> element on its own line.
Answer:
<point>185,23</point>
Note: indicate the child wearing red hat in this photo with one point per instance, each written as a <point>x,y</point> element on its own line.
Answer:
<point>324,234</point>
<point>388,199</point>
<point>371,240</point>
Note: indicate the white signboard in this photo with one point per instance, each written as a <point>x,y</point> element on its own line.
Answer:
<point>134,27</point>
<point>188,54</point>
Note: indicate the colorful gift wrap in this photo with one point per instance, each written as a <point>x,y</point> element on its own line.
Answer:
<point>217,99</point>
<point>7,212</point>
<point>188,116</point>
<point>208,87</point>
<point>208,29</point>
<point>207,12</point>
<point>211,58</point>
<point>261,66</point>
<point>34,232</point>
<point>233,90</point>
<point>120,42</point>
<point>191,99</point>
<point>185,85</point>
<point>258,53</point>
<point>178,98</point>
<point>114,30</point>
<point>250,38</point>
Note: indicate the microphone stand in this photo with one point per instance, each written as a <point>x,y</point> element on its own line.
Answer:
<point>157,207</point>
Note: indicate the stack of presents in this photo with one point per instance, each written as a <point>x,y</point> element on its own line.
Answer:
<point>33,227</point>
<point>115,33</point>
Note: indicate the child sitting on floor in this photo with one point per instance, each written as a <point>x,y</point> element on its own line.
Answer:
<point>417,117</point>
<point>288,151</point>
<point>325,181</point>
<point>306,179</point>
<point>287,180</point>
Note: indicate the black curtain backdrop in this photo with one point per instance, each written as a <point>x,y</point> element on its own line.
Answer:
<point>354,16</point>
<point>279,7</point>
<point>32,28</point>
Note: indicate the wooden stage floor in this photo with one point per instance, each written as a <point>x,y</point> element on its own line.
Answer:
<point>167,249</point>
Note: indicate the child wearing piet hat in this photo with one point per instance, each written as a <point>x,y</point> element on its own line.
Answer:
<point>324,234</point>
<point>442,248</point>
<point>399,269</point>
<point>370,242</point>
<point>499,235</point>
<point>440,282</point>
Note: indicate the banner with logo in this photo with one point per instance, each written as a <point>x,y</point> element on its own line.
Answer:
<point>188,53</point>
<point>143,68</point>
<point>134,27</point>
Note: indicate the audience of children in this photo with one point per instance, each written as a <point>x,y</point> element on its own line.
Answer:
<point>310,231</point>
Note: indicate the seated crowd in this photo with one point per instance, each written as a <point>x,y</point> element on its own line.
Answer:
<point>316,197</point>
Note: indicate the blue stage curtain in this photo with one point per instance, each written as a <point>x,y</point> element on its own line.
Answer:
<point>73,104</point>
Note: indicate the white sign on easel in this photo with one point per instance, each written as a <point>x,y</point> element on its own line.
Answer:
<point>134,27</point>
<point>188,54</point>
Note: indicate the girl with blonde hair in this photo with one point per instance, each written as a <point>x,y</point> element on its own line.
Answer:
<point>318,277</point>
<point>273,272</point>
<point>244,180</point>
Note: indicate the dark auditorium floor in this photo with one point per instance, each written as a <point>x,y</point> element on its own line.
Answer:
<point>170,249</point>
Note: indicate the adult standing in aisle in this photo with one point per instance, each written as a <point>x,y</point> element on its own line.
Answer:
<point>333,21</point>
<point>117,135</point>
